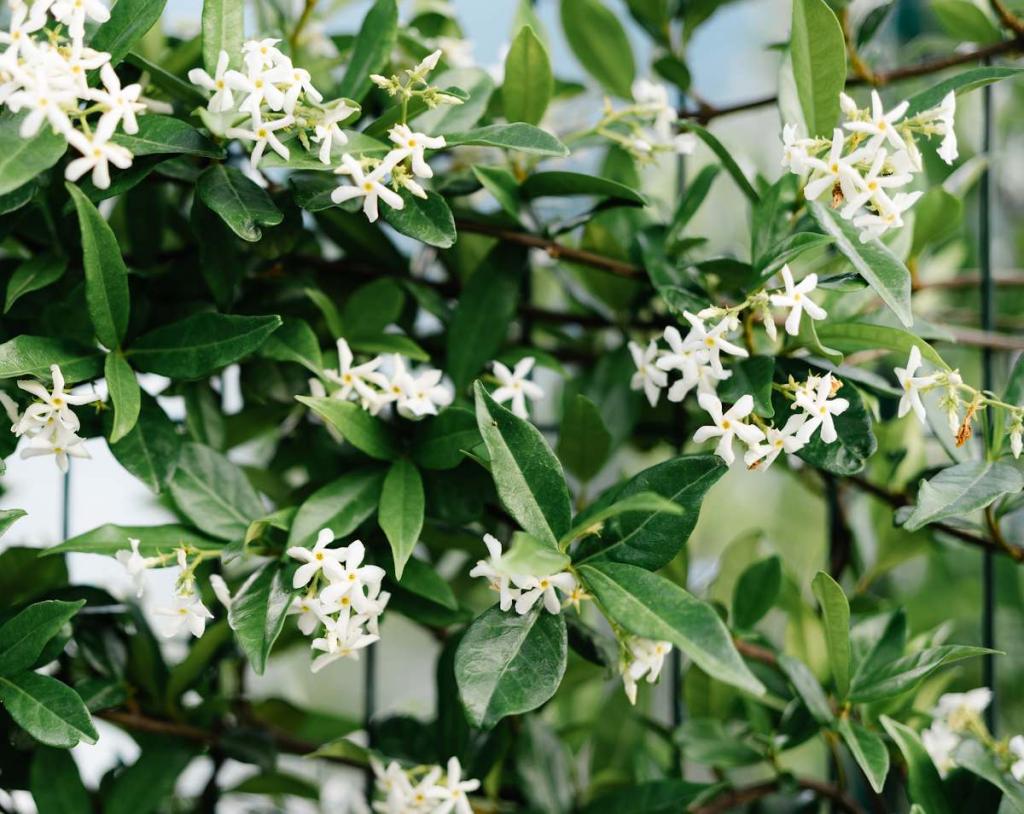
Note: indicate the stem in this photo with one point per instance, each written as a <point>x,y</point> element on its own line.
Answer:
<point>307,12</point>
<point>734,798</point>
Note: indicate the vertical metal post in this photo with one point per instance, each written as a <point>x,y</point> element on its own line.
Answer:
<point>65,511</point>
<point>988,633</point>
<point>369,702</point>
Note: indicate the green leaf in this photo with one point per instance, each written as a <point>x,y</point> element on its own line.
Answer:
<point>401,511</point>
<point>174,86</point>
<point>149,781</point>
<point>128,23</point>
<point>8,517</point>
<point>371,308</point>
<point>835,610</point>
<point>213,493</point>
<point>599,42</point>
<point>961,489</point>
<point>529,82</point>
<point>421,579</point>
<point>728,162</point>
<point>389,343</point>
<point>359,428</point>
<point>295,341</point>
<point>692,197</point>
<point>873,260</point>
<point>154,541</point>
<point>819,64</point>
<point>200,344</point>
<point>150,449</point>
<point>22,159</point>
<point>106,277</point>
<point>849,337</point>
<point>241,204</point>
<point>49,711</point>
<point>440,440</point>
<point>924,786</point>
<point>478,85</point>
<point>787,250</point>
<point>223,30</point>
<point>372,49</point>
<point>558,183</point>
<point>641,502</point>
<point>258,612</point>
<point>652,797</point>
<point>756,591</point>
<point>961,83</point>
<point>530,556</point>
<point>652,539</point>
<point>32,356</point>
<point>276,784</point>
<point>485,310</point>
<point>508,664</point>
<point>753,375</point>
<point>502,185</point>
<point>869,750</point>
<point>428,220</point>
<point>161,135</point>
<point>939,214</point>
<point>518,136</point>
<point>37,272</point>
<point>651,606</point>
<point>55,783</point>
<point>124,393</point>
<point>973,756</point>
<point>584,442</point>
<point>907,672</point>
<point>526,473</point>
<point>808,688</point>
<point>23,637</point>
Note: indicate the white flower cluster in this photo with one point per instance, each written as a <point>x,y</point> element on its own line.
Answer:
<point>862,168</point>
<point>45,71</point>
<point>958,714</point>
<point>423,790</point>
<point>523,591</point>
<point>654,129</point>
<point>344,600</point>
<point>514,387</point>
<point>49,424</point>
<point>414,393</point>
<point>276,98</point>
<point>641,657</point>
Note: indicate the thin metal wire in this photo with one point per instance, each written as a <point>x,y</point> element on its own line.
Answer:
<point>988,633</point>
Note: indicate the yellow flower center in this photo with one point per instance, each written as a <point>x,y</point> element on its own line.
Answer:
<point>726,423</point>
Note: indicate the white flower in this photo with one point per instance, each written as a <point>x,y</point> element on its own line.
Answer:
<point>959,708</point>
<point>820,408</point>
<point>393,783</point>
<point>684,358</point>
<point>343,640</point>
<point>888,217</point>
<point>453,791</point>
<point>187,610</point>
<point>727,425</point>
<point>319,558</point>
<point>122,103</point>
<point>712,342</point>
<point>777,441</point>
<point>412,145</point>
<point>357,380</point>
<point>796,300</point>
<point>426,65</point>
<point>515,387</point>
<point>53,405</point>
<point>260,54</point>
<point>136,565</point>
<point>533,588</point>
<point>60,442</point>
<point>912,385</point>
<point>646,658</point>
<point>353,579</point>
<point>939,742</point>
<point>848,106</point>
<point>97,155</point>
<point>310,611</point>
<point>259,89</point>
<point>794,150</point>
<point>44,105</point>
<point>875,182</point>
<point>1017,436</point>
<point>299,82</point>
<point>881,126</point>
<point>73,14</point>
<point>491,570</point>
<point>417,394</point>
<point>836,169</point>
<point>369,186</point>
<point>222,98</point>
<point>1016,746</point>
<point>261,135</point>
<point>19,30</point>
<point>327,133</point>
<point>647,377</point>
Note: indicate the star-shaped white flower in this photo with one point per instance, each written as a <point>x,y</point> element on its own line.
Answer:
<point>354,578</point>
<point>262,135</point>
<point>533,588</point>
<point>727,425</point>
<point>821,408</point>
<point>881,127</point>
<point>122,104</point>
<point>97,155</point>
<point>369,186</point>
<point>327,133</point>
<point>361,380</point>
<point>647,377</point>
<point>796,300</point>
<point>491,570</point>
<point>890,216</point>
<point>136,564</point>
<point>222,99</point>
<point>835,169</point>
<point>412,145</point>
<point>318,558</point>
<point>877,179</point>
<point>515,387</point>
<point>683,357</point>
<point>712,342</point>
<point>55,403</point>
<point>646,658</point>
<point>453,791</point>
<point>912,385</point>
<point>763,455</point>
<point>186,611</point>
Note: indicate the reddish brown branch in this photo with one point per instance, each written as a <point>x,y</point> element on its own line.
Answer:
<point>731,799</point>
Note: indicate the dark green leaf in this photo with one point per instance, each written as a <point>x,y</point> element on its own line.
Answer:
<point>961,83</point>
<point>160,135</point>
<point>808,688</point>
<point>32,356</point>
<point>295,342</point>
<point>154,541</point>
<point>907,672</point>
<point>428,220</point>
<point>440,440</point>
<point>963,488</point>
<point>751,376</point>
<point>49,711</point>
<point>258,612</point>
<point>359,428</point>
<point>584,442</point>
<point>756,591</point>
<point>819,64</point>
<point>599,42</point>
<point>129,21</point>
<point>518,136</point>
<point>850,337</point>
<point>23,637</point>
<point>124,393</point>
<point>561,184</point>
<point>149,781</point>
<point>37,272</point>
<point>924,785</point>
<point>869,750</point>
<point>214,493</point>
<point>528,83</point>
<point>8,517</point>
<point>241,204</point>
<point>372,49</point>
<point>22,159</point>
<point>981,760</point>
<point>401,511</point>
<point>150,450</point>
<point>223,30</point>
<point>835,611</point>
<point>653,797</point>
<point>55,783</point>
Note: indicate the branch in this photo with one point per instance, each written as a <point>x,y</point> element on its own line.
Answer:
<point>734,798</point>
<point>1008,18</point>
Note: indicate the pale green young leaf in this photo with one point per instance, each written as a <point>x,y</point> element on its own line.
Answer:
<point>961,489</point>
<point>819,63</point>
<point>835,610</point>
<point>124,393</point>
<point>529,82</point>
<point>599,42</point>
<point>223,27</point>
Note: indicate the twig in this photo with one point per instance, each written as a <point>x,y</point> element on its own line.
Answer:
<point>307,12</point>
<point>733,798</point>
<point>1008,18</point>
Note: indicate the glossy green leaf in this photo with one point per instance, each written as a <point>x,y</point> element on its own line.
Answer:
<point>835,611</point>
<point>444,119</point>
<point>23,637</point>
<point>528,555</point>
<point>154,541</point>
<point>963,488</point>
<point>651,606</point>
<point>647,503</point>
<point>909,671</point>
<point>652,539</point>
<point>868,749</point>
<point>214,493</point>
<point>8,517</point>
<point>818,50</point>
<point>753,376</point>
<point>850,337</point>
<point>874,261</point>
<point>924,786</point>
<point>22,159</point>
<point>165,135</point>
<point>37,272</point>
<point>808,688</point>
<point>32,356</point>
<point>428,220</point>
<point>372,49</point>
<point>756,591</point>
<point>364,431</point>
<point>106,276</point>
<point>652,797</point>
<point>200,344</point>
<point>975,757</point>
<point>295,341</point>
<point>559,183</point>
<point>526,473</point>
<point>140,788</point>
<point>787,250</point>
<point>529,82</point>
<point>55,783</point>
<point>342,505</point>
<point>49,711</point>
<point>728,162</point>
<point>599,42</point>
<point>241,204</point>
<point>502,185</point>
<point>524,138</point>
<point>223,27</point>
<point>124,393</point>
<point>129,21</point>
<point>401,511</point>
<point>960,83</point>
<point>508,664</point>
<point>440,440</point>
<point>150,449</point>
<point>421,579</point>
<point>584,442</point>
<point>258,612</point>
